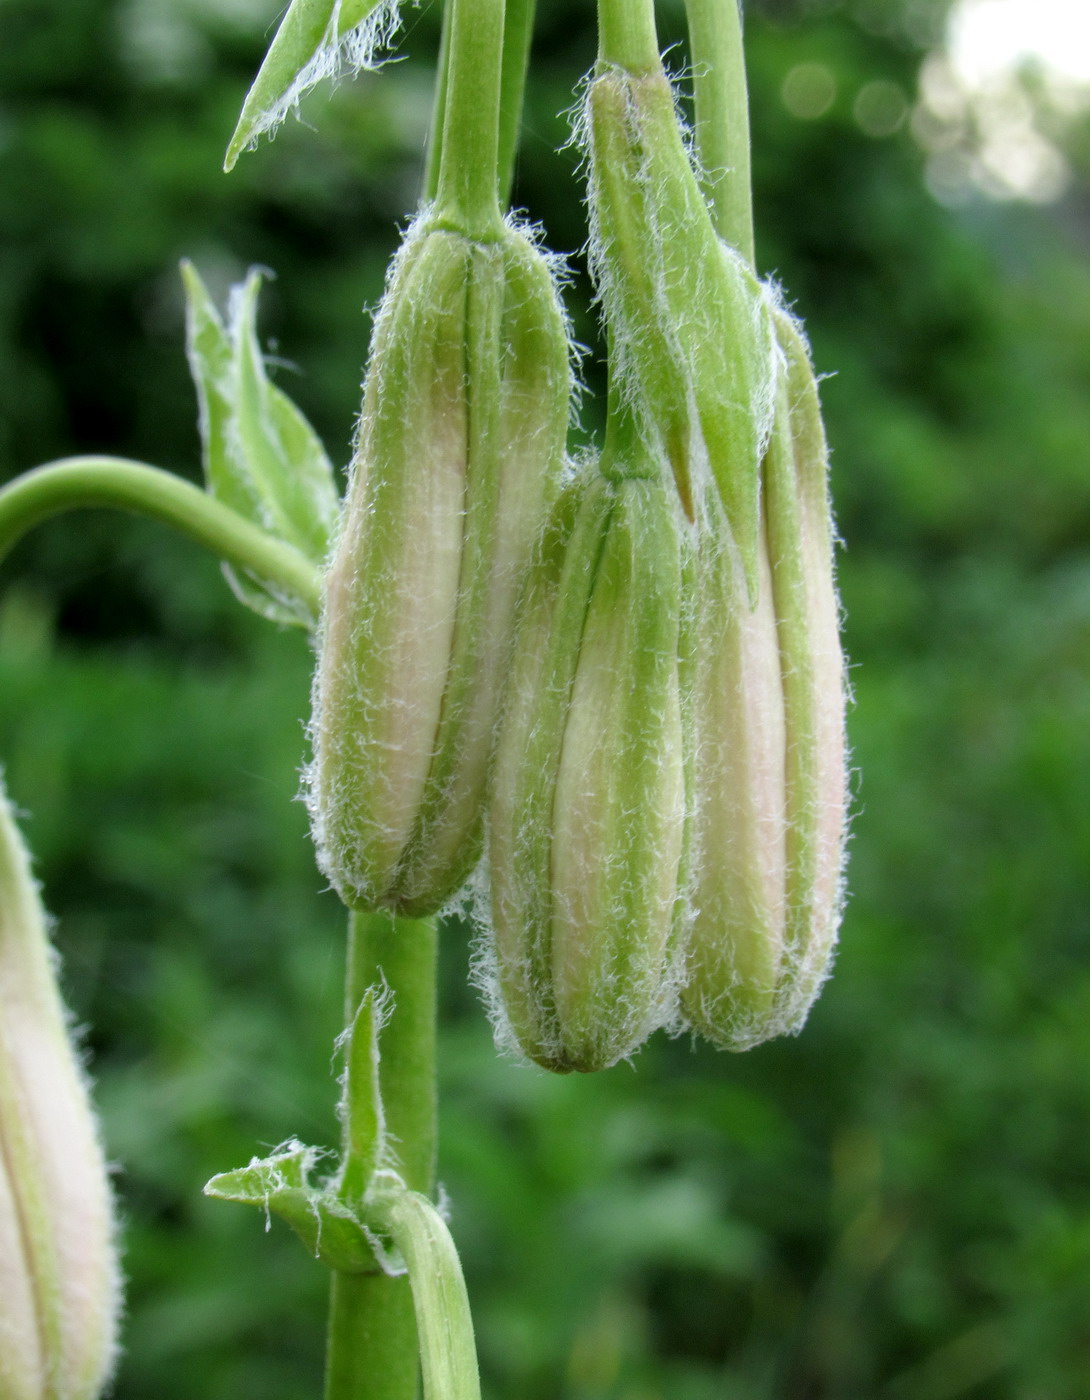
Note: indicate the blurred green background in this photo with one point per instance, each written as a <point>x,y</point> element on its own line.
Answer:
<point>894,1205</point>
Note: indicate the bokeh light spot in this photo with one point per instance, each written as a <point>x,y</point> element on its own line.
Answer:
<point>880,108</point>
<point>809,90</point>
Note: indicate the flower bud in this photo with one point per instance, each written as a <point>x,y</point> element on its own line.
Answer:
<point>587,819</point>
<point>770,767</point>
<point>735,937</point>
<point>691,338</point>
<point>58,1269</point>
<point>460,447</point>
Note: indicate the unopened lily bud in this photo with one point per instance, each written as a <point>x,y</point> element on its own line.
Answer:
<point>735,940</point>
<point>460,448</point>
<point>58,1267</point>
<point>771,775</point>
<point>801,538</point>
<point>691,337</point>
<point>587,820</point>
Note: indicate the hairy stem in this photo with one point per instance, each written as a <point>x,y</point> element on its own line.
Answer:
<point>76,482</point>
<point>371,1346</point>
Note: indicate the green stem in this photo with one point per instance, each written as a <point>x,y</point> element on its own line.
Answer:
<point>627,37</point>
<point>76,482</point>
<point>518,28</point>
<point>722,117</point>
<point>466,194</point>
<point>448,1355</point>
<point>433,157</point>
<point>372,1348</point>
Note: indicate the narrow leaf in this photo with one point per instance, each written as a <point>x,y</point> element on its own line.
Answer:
<point>261,456</point>
<point>305,50</point>
<point>208,350</point>
<point>289,474</point>
<point>279,1185</point>
<point>362,1117</point>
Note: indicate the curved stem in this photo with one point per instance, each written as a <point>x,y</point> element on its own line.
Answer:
<point>372,1347</point>
<point>627,37</point>
<point>722,118</point>
<point>76,482</point>
<point>466,194</point>
<point>448,1356</point>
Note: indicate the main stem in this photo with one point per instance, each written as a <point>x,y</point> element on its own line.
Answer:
<point>467,196</point>
<point>372,1351</point>
<point>627,37</point>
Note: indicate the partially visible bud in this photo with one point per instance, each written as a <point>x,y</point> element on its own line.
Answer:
<point>691,338</point>
<point>771,774</point>
<point>58,1268</point>
<point>460,448</point>
<point>801,542</point>
<point>587,821</point>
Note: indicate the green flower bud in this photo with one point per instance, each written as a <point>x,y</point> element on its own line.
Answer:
<point>771,796</point>
<point>460,447</point>
<point>58,1268</point>
<point>735,937</point>
<point>691,341</point>
<point>587,821</point>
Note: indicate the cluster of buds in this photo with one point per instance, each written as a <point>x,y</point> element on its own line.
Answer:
<point>669,798</point>
<point>58,1269</point>
<point>630,664</point>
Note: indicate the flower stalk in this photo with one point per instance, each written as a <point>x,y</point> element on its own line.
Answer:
<point>75,483</point>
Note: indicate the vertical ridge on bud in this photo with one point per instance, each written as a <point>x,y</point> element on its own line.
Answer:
<point>58,1270</point>
<point>551,614</point>
<point>460,447</point>
<point>691,339</point>
<point>801,539</point>
<point>588,813</point>
<point>736,932</point>
<point>619,808</point>
<point>771,797</point>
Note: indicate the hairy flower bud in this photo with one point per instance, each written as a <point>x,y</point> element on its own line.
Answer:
<point>770,770</point>
<point>58,1270</point>
<point>691,339</point>
<point>460,447</point>
<point>587,818</point>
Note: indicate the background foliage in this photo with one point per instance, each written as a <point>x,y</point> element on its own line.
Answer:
<point>895,1205</point>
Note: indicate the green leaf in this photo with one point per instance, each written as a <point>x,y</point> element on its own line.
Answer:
<point>208,349</point>
<point>290,476</point>
<point>362,1118</point>
<point>305,50</point>
<point>261,456</point>
<point>279,1185</point>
